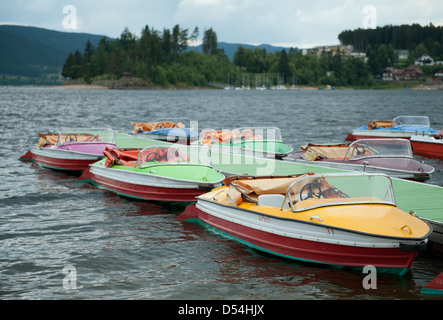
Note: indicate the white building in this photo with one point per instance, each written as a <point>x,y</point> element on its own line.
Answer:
<point>425,60</point>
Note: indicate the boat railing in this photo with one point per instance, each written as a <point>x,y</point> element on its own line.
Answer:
<point>422,121</point>
<point>180,122</point>
<point>238,135</point>
<point>165,155</point>
<point>272,134</point>
<point>376,148</point>
<point>69,136</point>
<point>339,189</point>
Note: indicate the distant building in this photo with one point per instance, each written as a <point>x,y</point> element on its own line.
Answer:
<point>358,55</point>
<point>438,77</point>
<point>424,60</point>
<point>347,51</point>
<point>402,54</point>
<point>390,74</point>
<point>410,73</point>
<point>318,51</point>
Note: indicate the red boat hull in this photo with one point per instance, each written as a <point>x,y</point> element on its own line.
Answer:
<point>311,251</point>
<point>435,287</point>
<point>58,164</point>
<point>428,149</point>
<point>143,192</point>
<point>352,137</point>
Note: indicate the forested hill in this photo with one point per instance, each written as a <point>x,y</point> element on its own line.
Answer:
<point>30,55</point>
<point>403,37</point>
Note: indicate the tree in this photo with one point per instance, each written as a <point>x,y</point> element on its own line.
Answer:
<point>194,35</point>
<point>183,40</point>
<point>240,57</point>
<point>283,65</point>
<point>166,45</point>
<point>127,40</point>
<point>210,42</point>
<point>89,50</point>
<point>159,76</point>
<point>68,66</point>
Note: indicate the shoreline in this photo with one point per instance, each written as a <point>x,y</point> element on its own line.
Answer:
<point>78,87</point>
<point>139,84</point>
<point>422,87</point>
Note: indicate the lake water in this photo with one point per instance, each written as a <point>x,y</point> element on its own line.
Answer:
<point>126,249</point>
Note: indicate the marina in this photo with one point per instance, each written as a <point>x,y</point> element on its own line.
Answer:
<point>424,199</point>
<point>128,248</point>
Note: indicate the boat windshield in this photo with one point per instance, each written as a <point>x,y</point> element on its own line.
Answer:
<point>256,133</point>
<point>370,148</point>
<point>69,136</point>
<point>421,121</point>
<point>209,136</point>
<point>178,154</point>
<point>339,189</point>
<point>172,123</point>
<point>176,123</point>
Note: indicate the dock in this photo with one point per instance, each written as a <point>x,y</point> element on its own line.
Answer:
<point>423,199</point>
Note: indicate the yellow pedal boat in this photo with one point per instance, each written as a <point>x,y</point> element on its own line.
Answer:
<point>347,220</point>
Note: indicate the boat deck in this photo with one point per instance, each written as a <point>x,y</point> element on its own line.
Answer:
<point>425,199</point>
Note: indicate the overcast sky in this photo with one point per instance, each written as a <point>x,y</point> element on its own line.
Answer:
<point>293,23</point>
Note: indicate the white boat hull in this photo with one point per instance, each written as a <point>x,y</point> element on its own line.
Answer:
<point>146,186</point>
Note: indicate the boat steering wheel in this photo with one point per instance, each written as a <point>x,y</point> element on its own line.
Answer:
<point>71,138</point>
<point>358,150</point>
<point>313,191</point>
<point>154,158</point>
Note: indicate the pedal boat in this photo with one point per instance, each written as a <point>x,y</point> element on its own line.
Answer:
<point>252,141</point>
<point>400,127</point>
<point>156,173</point>
<point>173,130</point>
<point>345,220</point>
<point>71,150</point>
<point>392,157</point>
<point>427,146</point>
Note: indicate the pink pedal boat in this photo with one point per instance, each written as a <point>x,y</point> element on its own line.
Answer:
<point>71,150</point>
<point>392,157</point>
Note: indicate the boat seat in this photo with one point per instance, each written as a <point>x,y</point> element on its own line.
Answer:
<point>272,200</point>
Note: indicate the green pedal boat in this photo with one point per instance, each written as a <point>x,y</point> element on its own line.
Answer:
<point>251,141</point>
<point>160,173</point>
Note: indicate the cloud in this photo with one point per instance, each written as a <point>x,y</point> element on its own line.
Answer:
<point>289,22</point>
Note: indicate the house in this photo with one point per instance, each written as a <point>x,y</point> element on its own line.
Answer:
<point>390,74</point>
<point>402,54</point>
<point>318,51</point>
<point>425,60</point>
<point>410,73</point>
<point>358,55</point>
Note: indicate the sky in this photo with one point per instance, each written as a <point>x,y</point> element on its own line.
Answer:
<point>289,23</point>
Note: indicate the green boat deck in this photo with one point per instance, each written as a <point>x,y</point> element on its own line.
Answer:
<point>425,199</point>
